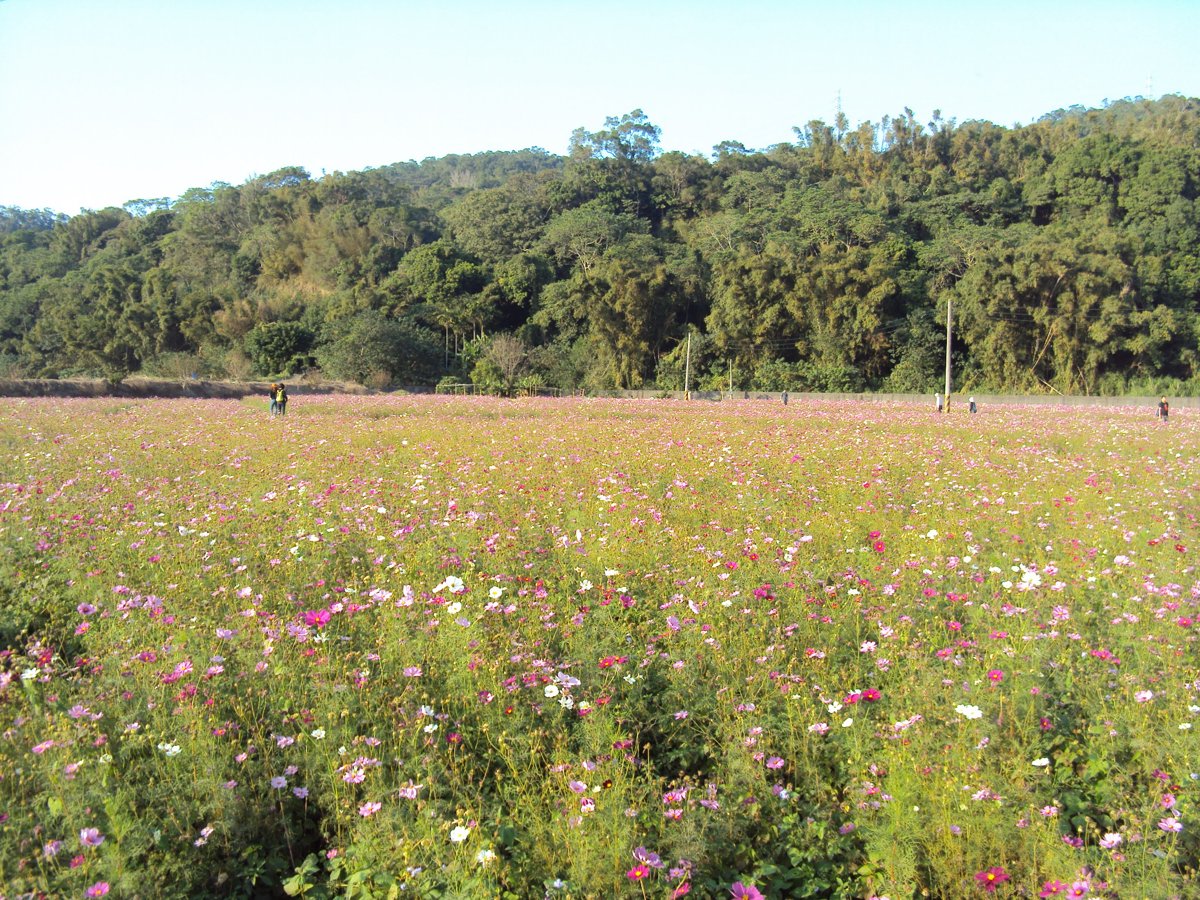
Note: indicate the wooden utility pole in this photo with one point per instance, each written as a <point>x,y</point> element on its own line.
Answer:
<point>949,313</point>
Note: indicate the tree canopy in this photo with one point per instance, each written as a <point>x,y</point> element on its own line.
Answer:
<point>1069,247</point>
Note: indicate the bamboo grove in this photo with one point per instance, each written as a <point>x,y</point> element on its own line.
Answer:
<point>1069,247</point>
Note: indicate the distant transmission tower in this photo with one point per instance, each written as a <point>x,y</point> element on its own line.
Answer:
<point>839,118</point>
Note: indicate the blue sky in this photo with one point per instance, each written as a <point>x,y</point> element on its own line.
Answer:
<point>105,102</point>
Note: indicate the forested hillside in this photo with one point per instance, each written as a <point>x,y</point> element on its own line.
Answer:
<point>1070,249</point>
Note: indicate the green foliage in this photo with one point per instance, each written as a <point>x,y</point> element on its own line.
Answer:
<point>1070,246</point>
<point>13,218</point>
<point>920,347</point>
<point>834,378</point>
<point>275,346</point>
<point>373,345</point>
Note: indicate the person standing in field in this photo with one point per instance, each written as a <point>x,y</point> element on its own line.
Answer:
<point>937,401</point>
<point>274,399</point>
<point>785,398</point>
<point>1163,408</point>
<point>971,407</point>
<point>281,399</point>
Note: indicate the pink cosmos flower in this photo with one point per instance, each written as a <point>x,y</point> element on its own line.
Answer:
<point>369,809</point>
<point>99,889</point>
<point>740,891</point>
<point>91,837</point>
<point>991,878</point>
<point>316,618</point>
<point>638,873</point>
<point>409,791</point>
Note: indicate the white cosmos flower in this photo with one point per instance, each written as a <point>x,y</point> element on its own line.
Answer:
<point>453,584</point>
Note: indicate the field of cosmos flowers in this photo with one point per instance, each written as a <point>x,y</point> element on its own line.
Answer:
<point>469,647</point>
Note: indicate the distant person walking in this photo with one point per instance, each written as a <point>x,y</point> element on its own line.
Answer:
<point>274,399</point>
<point>937,401</point>
<point>281,399</point>
<point>971,407</point>
<point>785,398</point>
<point>1164,408</point>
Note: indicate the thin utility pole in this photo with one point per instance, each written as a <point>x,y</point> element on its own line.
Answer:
<point>949,314</point>
<point>687,370</point>
<point>731,379</point>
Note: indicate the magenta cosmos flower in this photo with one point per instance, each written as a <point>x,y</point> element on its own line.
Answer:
<point>992,878</point>
<point>739,891</point>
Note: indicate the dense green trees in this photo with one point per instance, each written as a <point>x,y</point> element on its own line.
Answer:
<point>1070,249</point>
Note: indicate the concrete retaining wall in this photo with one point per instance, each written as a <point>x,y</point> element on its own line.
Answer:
<point>956,400</point>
